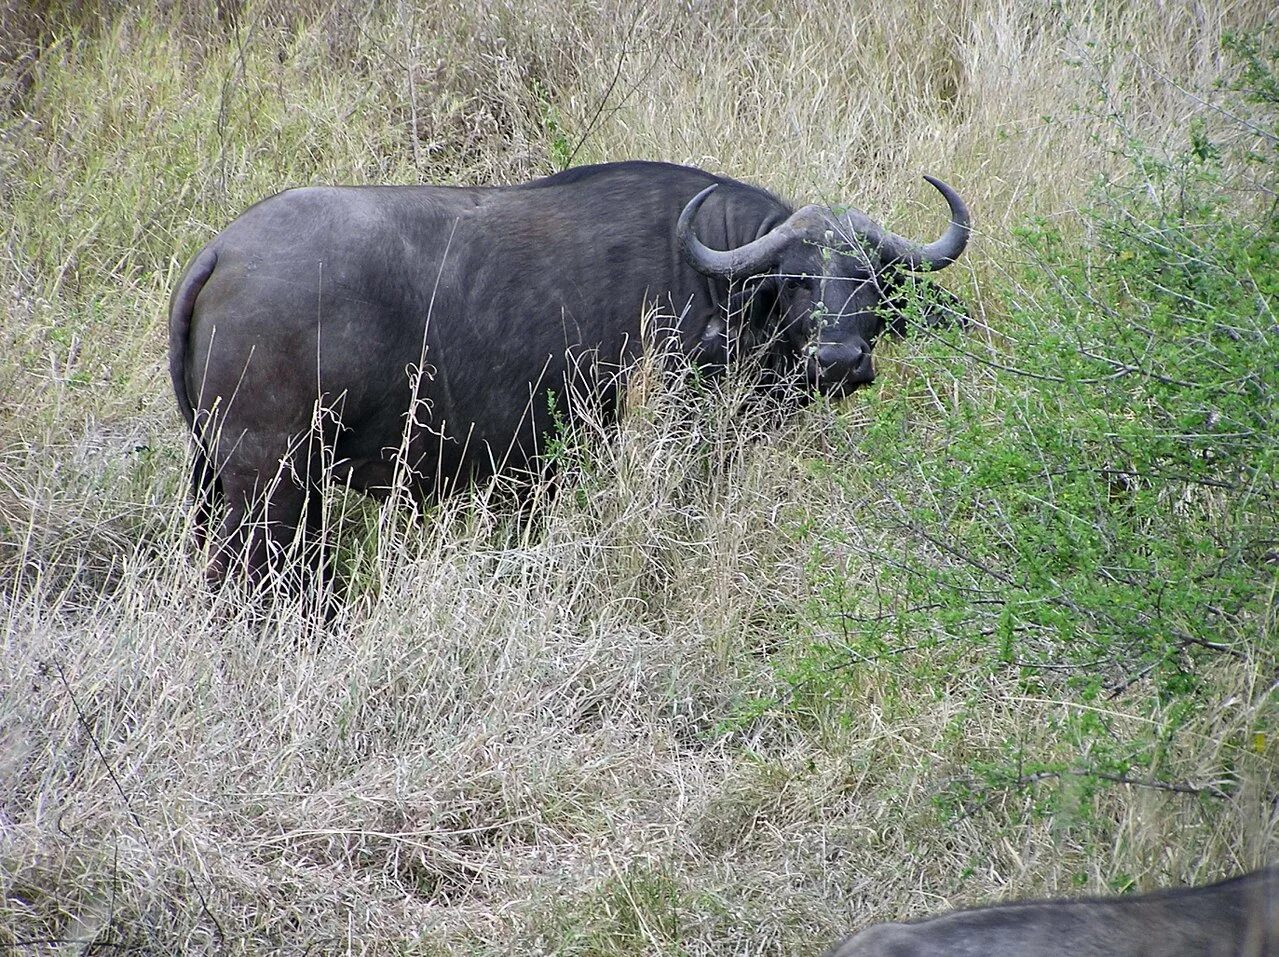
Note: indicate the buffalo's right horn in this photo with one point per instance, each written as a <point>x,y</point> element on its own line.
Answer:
<point>755,257</point>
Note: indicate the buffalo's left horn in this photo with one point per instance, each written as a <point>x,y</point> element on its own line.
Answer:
<point>754,257</point>
<point>898,249</point>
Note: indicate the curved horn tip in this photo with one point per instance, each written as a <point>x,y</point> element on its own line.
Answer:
<point>694,204</point>
<point>706,261</point>
<point>940,185</point>
<point>942,252</point>
<point>953,199</point>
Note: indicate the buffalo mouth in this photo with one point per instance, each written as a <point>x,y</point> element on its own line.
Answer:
<point>839,369</point>
<point>836,388</point>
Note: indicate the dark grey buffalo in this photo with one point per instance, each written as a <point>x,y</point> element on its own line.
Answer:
<point>353,331</point>
<point>1235,918</point>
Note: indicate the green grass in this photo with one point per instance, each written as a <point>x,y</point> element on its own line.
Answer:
<point>1001,626</point>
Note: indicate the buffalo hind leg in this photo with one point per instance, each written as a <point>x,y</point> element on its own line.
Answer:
<point>258,531</point>
<point>206,495</point>
<point>317,578</point>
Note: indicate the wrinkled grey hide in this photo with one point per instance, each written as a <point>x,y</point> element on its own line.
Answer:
<point>1235,918</point>
<point>335,330</point>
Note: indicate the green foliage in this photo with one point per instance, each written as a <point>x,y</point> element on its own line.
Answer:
<point>1095,512</point>
<point>558,441</point>
<point>559,145</point>
<point>1258,79</point>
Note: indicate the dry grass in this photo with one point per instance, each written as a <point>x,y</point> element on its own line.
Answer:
<point>574,735</point>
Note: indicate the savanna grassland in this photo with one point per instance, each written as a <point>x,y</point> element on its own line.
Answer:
<point>1003,625</point>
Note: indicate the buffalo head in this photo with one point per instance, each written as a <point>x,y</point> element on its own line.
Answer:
<point>821,276</point>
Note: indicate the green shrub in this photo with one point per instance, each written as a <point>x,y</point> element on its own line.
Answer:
<point>1093,509</point>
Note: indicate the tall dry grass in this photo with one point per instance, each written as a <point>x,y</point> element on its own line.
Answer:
<point>575,734</point>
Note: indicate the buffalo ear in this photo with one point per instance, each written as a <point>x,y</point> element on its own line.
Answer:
<point>911,301</point>
<point>754,301</point>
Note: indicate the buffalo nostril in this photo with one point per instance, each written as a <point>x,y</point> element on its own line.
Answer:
<point>844,355</point>
<point>838,366</point>
<point>840,356</point>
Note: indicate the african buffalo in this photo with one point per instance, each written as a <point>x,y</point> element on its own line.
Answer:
<point>351,331</point>
<point>1234,918</point>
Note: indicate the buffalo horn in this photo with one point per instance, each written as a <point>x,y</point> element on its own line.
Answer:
<point>893,248</point>
<point>754,257</point>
